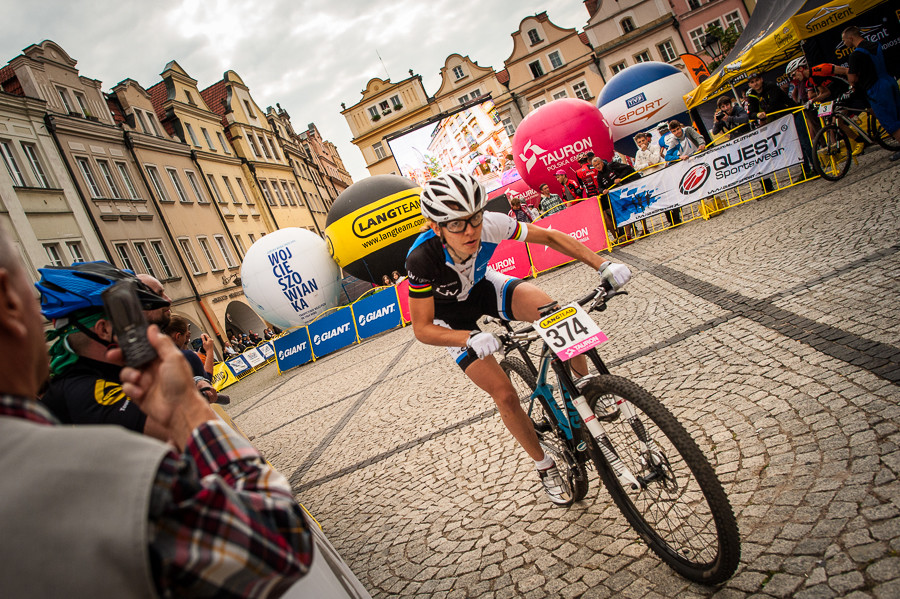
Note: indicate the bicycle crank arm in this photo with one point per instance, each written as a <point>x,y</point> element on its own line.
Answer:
<point>626,478</point>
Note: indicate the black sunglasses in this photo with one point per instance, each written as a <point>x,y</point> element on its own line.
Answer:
<point>459,225</point>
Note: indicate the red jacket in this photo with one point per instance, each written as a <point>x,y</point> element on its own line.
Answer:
<point>589,180</point>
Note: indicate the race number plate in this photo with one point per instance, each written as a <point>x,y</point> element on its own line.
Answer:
<point>825,109</point>
<point>569,331</point>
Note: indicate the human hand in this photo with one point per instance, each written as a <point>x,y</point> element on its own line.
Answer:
<point>165,391</point>
<point>207,342</point>
<point>760,115</point>
<point>702,147</point>
<point>483,344</point>
<point>206,389</point>
<point>614,274</point>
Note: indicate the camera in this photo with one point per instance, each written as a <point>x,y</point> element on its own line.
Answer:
<point>719,115</point>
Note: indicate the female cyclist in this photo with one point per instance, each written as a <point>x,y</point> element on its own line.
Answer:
<point>451,287</point>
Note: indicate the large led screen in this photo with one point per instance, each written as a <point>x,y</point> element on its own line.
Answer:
<point>471,140</point>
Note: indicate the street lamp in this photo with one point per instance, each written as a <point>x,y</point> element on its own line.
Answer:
<point>713,45</point>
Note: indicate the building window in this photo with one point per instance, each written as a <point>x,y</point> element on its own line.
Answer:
<point>560,95</point>
<point>195,186</point>
<point>88,175</point>
<point>373,113</point>
<point>240,244</point>
<point>243,191</point>
<point>534,37</point>
<point>379,150</point>
<point>536,69</point>
<point>395,102</point>
<point>143,123</point>
<point>36,167</point>
<point>250,112</point>
<point>176,183</point>
<point>642,57</point>
<point>124,256</point>
<point>189,254</point>
<point>463,98</point>
<point>11,165</point>
<point>287,193</point>
<point>75,251</point>
<point>266,193</point>
<point>226,251</point>
<point>508,126</point>
<point>161,257</point>
<point>52,250</point>
<point>141,250</point>
<point>230,190</point>
<point>253,147</point>
<point>264,147</point>
<point>82,103</point>
<point>618,67</point>
<point>64,96</point>
<point>734,18</point>
<point>297,195</point>
<point>555,59</point>
<point>581,90</point>
<point>274,149</point>
<point>278,193</point>
<point>152,122</point>
<point>667,51</point>
<point>189,97</point>
<point>206,136</point>
<point>129,184</point>
<point>215,189</point>
<point>252,238</point>
<point>475,93</point>
<point>190,130</point>
<point>694,4</point>
<point>697,36</point>
<point>627,25</point>
<point>108,177</point>
<point>539,103</point>
<point>155,179</point>
<point>385,109</point>
<point>458,72</point>
<point>222,142</point>
<point>204,245</point>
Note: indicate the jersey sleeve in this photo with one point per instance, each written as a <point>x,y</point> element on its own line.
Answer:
<point>499,227</point>
<point>420,274</point>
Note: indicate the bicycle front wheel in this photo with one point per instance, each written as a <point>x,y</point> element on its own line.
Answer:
<point>680,508</point>
<point>551,438</point>
<point>831,153</point>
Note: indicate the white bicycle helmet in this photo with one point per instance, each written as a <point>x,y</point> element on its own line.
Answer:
<point>452,196</point>
<point>795,64</point>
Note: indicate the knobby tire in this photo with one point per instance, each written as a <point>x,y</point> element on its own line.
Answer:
<point>831,153</point>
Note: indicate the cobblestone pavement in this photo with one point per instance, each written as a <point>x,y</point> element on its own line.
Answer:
<point>772,331</point>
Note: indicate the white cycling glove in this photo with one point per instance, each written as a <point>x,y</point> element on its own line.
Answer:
<point>614,274</point>
<point>483,344</point>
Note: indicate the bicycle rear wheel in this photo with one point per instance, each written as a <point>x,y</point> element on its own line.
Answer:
<point>570,467</point>
<point>880,136</point>
<point>831,153</point>
<point>680,508</point>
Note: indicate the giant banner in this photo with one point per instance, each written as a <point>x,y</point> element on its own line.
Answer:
<point>581,221</point>
<point>761,152</point>
<point>377,313</point>
<point>332,332</point>
<point>293,349</point>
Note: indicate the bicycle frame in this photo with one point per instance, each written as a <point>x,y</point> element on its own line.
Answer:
<point>839,113</point>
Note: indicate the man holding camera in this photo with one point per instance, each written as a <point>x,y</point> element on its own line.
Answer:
<point>730,117</point>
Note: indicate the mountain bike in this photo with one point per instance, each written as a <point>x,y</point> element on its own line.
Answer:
<point>655,472</point>
<point>831,145</point>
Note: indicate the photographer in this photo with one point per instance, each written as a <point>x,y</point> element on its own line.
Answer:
<point>730,115</point>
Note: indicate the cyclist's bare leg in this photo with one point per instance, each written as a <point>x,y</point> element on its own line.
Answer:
<point>526,300</point>
<point>488,375</point>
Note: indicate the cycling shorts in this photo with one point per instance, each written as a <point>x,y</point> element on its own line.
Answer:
<point>491,296</point>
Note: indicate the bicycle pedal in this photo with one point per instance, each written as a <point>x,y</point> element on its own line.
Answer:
<point>542,427</point>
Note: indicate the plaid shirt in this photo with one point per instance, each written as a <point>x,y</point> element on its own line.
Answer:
<point>222,522</point>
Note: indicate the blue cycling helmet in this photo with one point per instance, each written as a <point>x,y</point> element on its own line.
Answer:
<point>66,289</point>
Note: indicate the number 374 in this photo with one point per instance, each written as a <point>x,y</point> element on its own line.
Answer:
<point>566,332</point>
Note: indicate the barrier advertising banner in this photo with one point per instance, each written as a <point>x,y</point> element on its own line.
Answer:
<point>267,351</point>
<point>511,258</point>
<point>332,332</point>
<point>293,349</point>
<point>761,152</point>
<point>377,313</point>
<point>253,357</point>
<point>581,221</point>
<point>222,376</point>
<point>238,365</point>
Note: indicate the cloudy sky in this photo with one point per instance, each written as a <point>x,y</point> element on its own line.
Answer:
<point>308,55</point>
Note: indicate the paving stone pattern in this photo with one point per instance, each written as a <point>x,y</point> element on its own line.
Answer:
<point>771,331</point>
